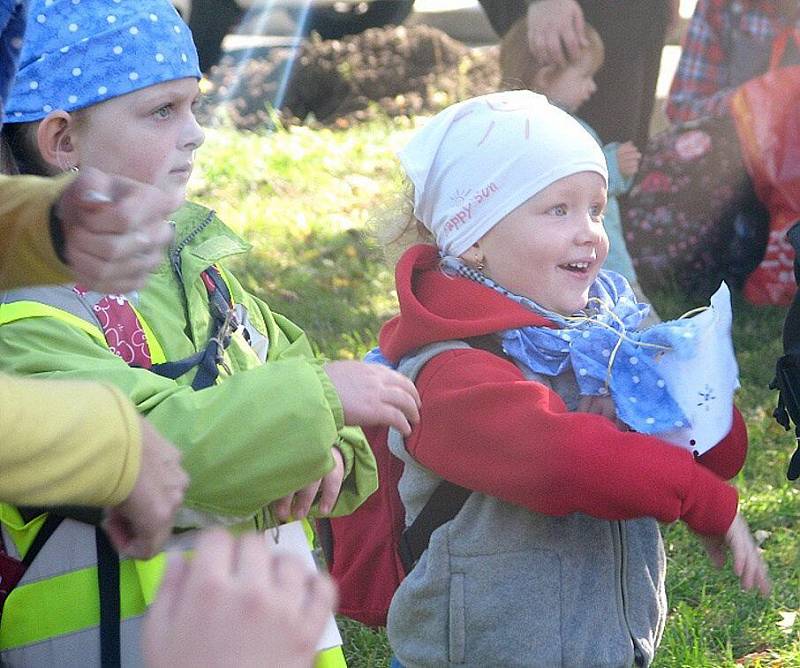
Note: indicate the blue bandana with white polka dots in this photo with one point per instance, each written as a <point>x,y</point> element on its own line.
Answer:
<point>77,53</point>
<point>12,28</point>
<point>604,348</point>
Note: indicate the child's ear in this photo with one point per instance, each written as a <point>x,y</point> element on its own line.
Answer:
<point>474,257</point>
<point>54,140</point>
<point>544,77</point>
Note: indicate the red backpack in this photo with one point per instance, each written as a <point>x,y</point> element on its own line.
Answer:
<point>370,551</point>
<point>362,548</point>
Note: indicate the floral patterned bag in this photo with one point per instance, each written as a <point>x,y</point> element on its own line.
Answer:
<point>691,218</point>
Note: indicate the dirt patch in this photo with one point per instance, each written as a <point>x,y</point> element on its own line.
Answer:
<point>394,71</point>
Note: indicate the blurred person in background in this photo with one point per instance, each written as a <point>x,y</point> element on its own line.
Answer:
<point>633,32</point>
<point>727,44</point>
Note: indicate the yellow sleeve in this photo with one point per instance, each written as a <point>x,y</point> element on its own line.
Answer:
<point>66,443</point>
<point>27,256</point>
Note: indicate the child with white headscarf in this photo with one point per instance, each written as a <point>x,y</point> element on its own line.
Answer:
<point>552,417</point>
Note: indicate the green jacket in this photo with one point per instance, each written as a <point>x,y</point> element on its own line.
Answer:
<point>262,432</point>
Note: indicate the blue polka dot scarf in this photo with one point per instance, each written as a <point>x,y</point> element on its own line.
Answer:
<point>604,349</point>
<point>77,53</point>
<point>12,28</point>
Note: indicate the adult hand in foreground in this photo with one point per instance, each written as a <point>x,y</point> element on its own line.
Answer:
<point>114,230</point>
<point>140,525</point>
<point>236,604</point>
<point>556,31</point>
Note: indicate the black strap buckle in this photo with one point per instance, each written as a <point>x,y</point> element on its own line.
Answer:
<point>787,412</point>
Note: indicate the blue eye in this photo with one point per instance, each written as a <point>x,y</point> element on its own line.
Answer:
<point>163,112</point>
<point>559,210</point>
<point>597,212</point>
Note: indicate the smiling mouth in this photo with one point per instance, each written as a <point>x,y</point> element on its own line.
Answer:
<point>581,268</point>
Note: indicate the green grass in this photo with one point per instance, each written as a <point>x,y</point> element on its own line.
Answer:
<point>303,199</point>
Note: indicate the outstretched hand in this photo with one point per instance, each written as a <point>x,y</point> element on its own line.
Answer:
<point>114,230</point>
<point>748,564</point>
<point>374,395</point>
<point>235,603</point>
<point>556,31</point>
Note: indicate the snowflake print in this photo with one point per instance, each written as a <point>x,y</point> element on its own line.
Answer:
<point>706,397</point>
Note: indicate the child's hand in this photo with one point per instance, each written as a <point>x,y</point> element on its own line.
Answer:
<point>748,564</point>
<point>628,158</point>
<point>598,405</point>
<point>114,230</point>
<point>297,505</point>
<point>374,395</point>
<point>235,603</point>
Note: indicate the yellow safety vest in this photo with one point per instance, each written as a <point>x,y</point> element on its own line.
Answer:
<point>52,617</point>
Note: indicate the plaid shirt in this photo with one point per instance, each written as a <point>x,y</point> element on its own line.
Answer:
<point>704,82</point>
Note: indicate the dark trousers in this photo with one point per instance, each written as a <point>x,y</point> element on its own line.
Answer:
<point>633,33</point>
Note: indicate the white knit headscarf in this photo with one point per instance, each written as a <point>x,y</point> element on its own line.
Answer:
<point>475,162</point>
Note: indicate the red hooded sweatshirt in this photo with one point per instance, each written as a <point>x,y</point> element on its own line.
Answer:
<point>485,427</point>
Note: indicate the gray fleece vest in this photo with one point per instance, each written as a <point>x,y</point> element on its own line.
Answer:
<point>504,586</point>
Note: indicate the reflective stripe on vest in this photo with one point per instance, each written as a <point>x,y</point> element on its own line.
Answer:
<point>13,311</point>
<point>21,310</point>
<point>157,355</point>
<point>331,658</point>
<point>52,616</point>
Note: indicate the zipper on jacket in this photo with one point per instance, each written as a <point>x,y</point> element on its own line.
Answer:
<point>175,263</point>
<point>175,251</point>
<point>638,654</point>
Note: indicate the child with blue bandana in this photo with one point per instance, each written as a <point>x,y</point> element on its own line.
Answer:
<point>266,429</point>
<point>69,228</point>
<point>555,414</point>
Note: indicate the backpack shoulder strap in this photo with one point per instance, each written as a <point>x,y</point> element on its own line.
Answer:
<point>208,360</point>
<point>787,369</point>
<point>791,325</point>
<point>448,498</point>
<point>445,503</point>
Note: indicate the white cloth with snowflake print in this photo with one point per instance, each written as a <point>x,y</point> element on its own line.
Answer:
<point>704,386</point>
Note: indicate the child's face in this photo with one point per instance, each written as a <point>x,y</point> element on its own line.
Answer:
<point>149,135</point>
<point>573,86</point>
<point>551,248</point>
